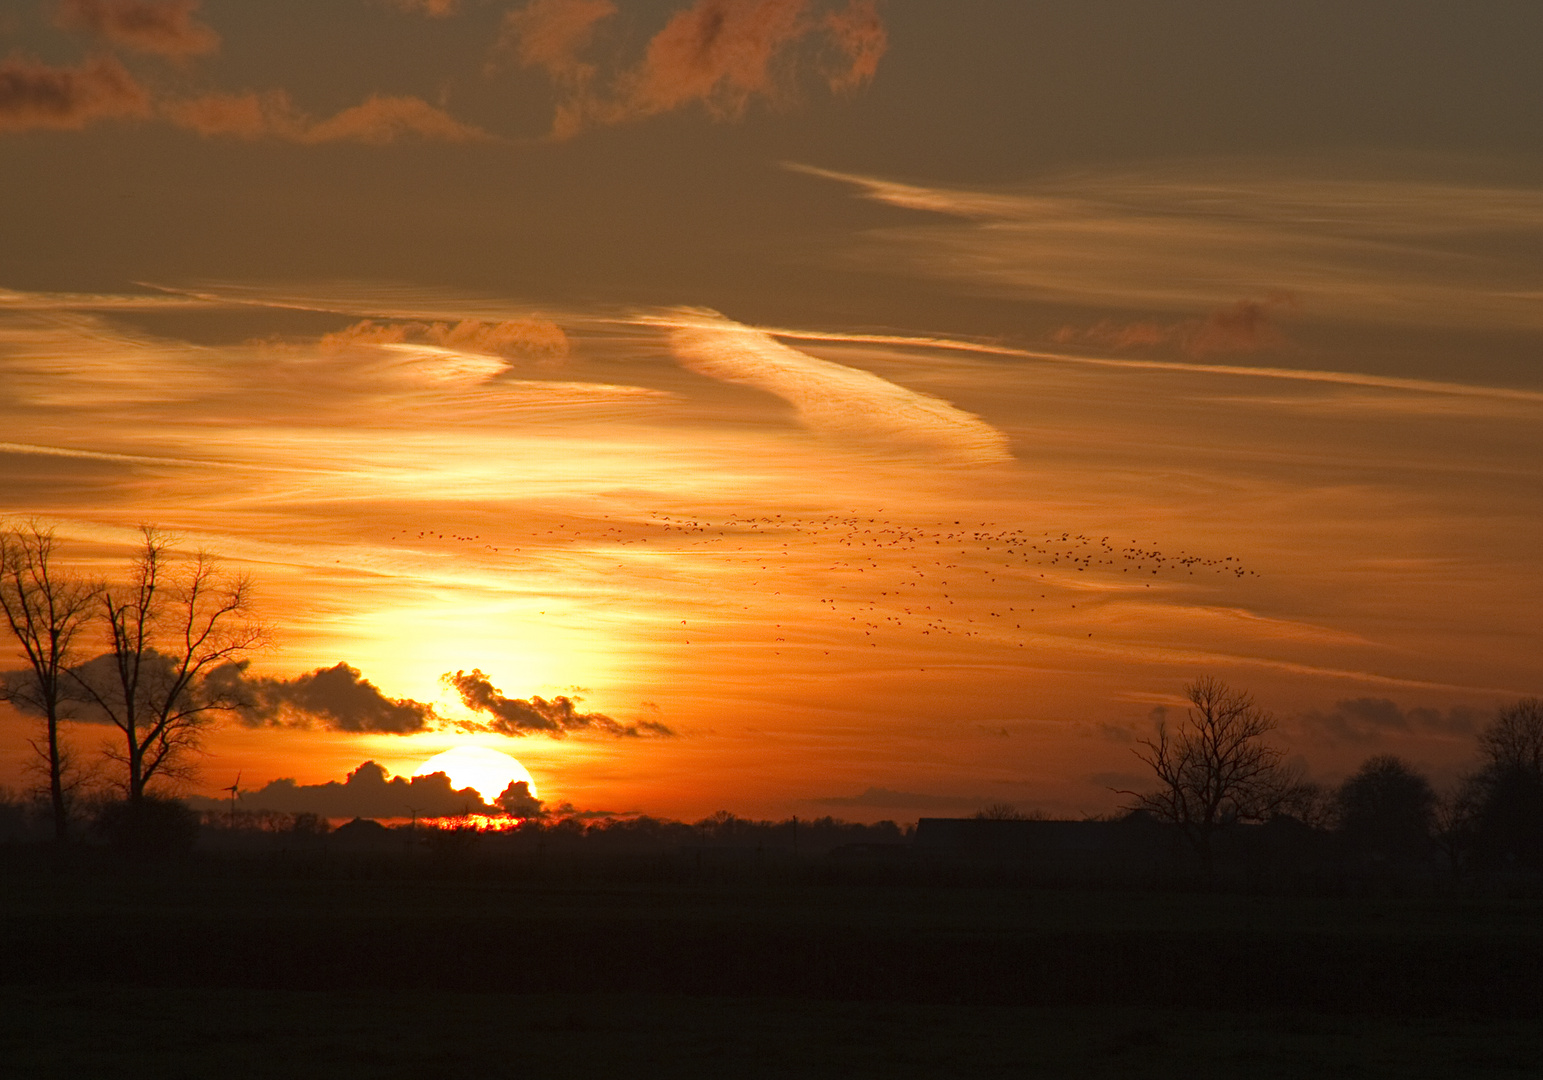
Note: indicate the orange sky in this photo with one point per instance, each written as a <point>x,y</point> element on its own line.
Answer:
<point>888,485</point>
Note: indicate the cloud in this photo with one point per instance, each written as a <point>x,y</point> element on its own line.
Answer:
<point>245,116</point>
<point>380,119</point>
<point>1247,326</point>
<point>434,9</point>
<point>557,718</point>
<point>859,34</point>
<point>833,399</point>
<point>517,801</point>
<point>35,96</point>
<point>1116,733</point>
<point>93,683</point>
<point>339,698</point>
<point>550,34</point>
<point>719,54</point>
<point>885,798</point>
<point>161,27</point>
<point>1190,237</point>
<point>1371,720</point>
<point>369,793</point>
<point>377,120</point>
<point>533,338</point>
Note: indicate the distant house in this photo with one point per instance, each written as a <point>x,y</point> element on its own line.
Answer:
<point>363,833</point>
<point>1130,848</point>
<point>1134,849</point>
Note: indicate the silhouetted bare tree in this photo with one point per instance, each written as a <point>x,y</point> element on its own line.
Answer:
<point>168,627</point>
<point>1515,739</point>
<point>1216,768</point>
<point>1003,811</point>
<point>45,609</point>
<point>1507,791</point>
<point>1453,824</point>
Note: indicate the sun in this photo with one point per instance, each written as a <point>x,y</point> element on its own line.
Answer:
<point>488,771</point>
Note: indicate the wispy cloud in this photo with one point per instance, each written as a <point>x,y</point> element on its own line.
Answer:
<point>166,28</point>
<point>882,798</point>
<point>531,338</point>
<point>434,9</point>
<point>381,119</point>
<point>833,399</point>
<point>553,35</point>
<point>858,33</point>
<point>13,300</point>
<point>1247,326</point>
<point>378,120</point>
<point>719,54</point>
<point>1136,336</point>
<point>1374,720</point>
<point>36,96</point>
<point>1197,236</point>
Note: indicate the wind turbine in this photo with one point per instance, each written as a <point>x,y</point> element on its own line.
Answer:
<point>235,792</point>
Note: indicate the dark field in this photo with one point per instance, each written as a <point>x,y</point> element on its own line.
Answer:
<point>227,969</point>
<point>104,1031</point>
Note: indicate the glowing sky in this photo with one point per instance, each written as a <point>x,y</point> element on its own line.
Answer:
<point>896,403</point>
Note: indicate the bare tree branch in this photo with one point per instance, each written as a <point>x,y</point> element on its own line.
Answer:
<point>167,628</point>
<point>45,610</point>
<point>1216,769</point>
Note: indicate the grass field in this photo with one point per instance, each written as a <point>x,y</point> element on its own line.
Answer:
<point>217,969</point>
<point>107,1031</point>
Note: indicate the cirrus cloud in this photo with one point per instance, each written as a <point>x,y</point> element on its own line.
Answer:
<point>434,9</point>
<point>536,338</point>
<point>843,402</point>
<point>1247,326</point>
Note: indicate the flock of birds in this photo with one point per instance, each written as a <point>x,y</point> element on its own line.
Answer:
<point>870,575</point>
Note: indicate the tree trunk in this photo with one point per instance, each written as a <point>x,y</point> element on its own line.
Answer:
<point>136,764</point>
<point>1201,840</point>
<point>56,781</point>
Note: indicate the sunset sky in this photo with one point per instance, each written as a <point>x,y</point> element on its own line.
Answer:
<point>866,408</point>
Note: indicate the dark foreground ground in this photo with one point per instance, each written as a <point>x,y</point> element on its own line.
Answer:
<point>99,1031</point>
<point>225,970</point>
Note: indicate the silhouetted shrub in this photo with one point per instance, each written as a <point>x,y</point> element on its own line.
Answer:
<point>151,826</point>
<point>1386,810</point>
<point>13,817</point>
<point>1507,791</point>
<point>306,824</point>
<point>1508,828</point>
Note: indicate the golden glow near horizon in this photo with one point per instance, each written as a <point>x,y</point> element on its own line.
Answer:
<point>807,550</point>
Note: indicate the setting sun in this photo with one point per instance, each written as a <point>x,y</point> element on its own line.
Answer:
<point>489,771</point>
